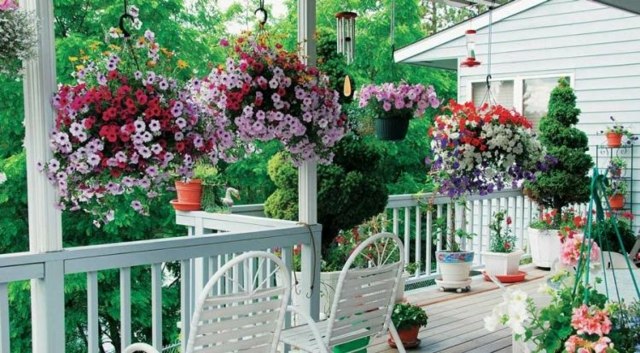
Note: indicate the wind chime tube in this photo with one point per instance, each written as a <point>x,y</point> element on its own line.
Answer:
<point>346,25</point>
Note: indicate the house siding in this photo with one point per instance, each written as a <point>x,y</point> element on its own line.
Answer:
<point>597,45</point>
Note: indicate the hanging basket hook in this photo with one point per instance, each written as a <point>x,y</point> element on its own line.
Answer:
<point>261,14</point>
<point>124,16</point>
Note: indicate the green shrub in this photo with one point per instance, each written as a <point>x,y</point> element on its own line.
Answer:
<point>567,181</point>
<point>350,190</point>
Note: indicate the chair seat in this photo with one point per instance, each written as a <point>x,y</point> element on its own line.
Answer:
<point>302,338</point>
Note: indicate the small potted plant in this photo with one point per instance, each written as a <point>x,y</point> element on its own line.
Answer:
<point>616,190</point>
<point>615,166</point>
<point>615,133</point>
<point>394,105</point>
<point>454,262</point>
<point>502,259</point>
<point>408,318</point>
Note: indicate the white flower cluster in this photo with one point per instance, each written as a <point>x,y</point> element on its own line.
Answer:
<point>512,312</point>
<point>3,178</point>
<point>18,40</point>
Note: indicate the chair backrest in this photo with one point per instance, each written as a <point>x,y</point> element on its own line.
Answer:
<point>251,318</point>
<point>365,295</point>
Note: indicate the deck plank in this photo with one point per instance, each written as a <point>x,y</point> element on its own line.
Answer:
<point>456,320</point>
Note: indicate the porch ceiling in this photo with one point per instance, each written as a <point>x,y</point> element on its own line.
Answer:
<point>631,6</point>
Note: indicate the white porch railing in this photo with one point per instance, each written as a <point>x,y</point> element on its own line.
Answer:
<point>240,233</point>
<point>408,217</point>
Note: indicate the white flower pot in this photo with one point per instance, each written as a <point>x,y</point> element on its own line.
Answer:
<point>454,266</point>
<point>545,246</point>
<point>500,264</point>
<point>328,284</point>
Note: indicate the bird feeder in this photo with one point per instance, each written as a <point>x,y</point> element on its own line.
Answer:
<point>470,61</point>
<point>346,34</point>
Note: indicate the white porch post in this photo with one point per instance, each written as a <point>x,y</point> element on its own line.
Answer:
<point>45,231</point>
<point>307,174</point>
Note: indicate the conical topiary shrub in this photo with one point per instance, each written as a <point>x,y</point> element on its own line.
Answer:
<point>567,181</point>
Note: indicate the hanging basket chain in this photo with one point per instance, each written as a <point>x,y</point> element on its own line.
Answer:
<point>126,34</point>
<point>261,14</point>
<point>488,97</point>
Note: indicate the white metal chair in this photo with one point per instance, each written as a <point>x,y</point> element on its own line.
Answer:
<point>248,320</point>
<point>363,302</point>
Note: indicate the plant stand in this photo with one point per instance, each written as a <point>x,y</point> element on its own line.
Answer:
<point>458,286</point>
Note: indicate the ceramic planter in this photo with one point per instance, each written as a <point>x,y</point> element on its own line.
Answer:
<point>500,264</point>
<point>614,139</point>
<point>454,266</point>
<point>392,129</point>
<point>328,285</point>
<point>616,201</point>
<point>545,246</point>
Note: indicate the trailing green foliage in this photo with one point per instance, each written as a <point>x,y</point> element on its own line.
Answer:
<point>567,181</point>
<point>407,315</point>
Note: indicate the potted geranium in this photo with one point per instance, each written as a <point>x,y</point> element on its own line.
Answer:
<point>502,259</point>
<point>264,93</point>
<point>479,151</point>
<point>124,130</point>
<point>18,39</point>
<point>546,234</point>
<point>615,133</point>
<point>395,104</point>
<point>407,319</point>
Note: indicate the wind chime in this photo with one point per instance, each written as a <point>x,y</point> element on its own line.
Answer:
<point>346,30</point>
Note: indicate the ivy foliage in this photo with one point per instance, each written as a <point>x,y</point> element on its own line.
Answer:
<point>567,181</point>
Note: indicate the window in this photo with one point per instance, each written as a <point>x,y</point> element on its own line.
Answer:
<point>502,92</point>
<point>535,97</point>
<point>530,95</point>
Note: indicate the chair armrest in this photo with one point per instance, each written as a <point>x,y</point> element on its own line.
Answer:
<point>140,347</point>
<point>312,326</point>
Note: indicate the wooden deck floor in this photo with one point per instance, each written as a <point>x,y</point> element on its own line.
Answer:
<point>456,320</point>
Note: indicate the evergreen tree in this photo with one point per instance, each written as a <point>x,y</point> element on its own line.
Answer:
<point>567,181</point>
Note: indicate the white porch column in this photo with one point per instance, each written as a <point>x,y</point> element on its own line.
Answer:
<point>45,231</point>
<point>307,173</point>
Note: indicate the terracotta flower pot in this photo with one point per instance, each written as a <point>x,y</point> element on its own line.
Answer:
<point>614,139</point>
<point>189,192</point>
<point>616,201</point>
<point>408,336</point>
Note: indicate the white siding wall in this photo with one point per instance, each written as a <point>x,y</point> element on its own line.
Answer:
<point>598,46</point>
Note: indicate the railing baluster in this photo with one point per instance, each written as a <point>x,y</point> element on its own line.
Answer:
<point>472,216</point>
<point>156,306</point>
<point>5,336</point>
<point>418,241</point>
<point>429,235</point>
<point>480,233</point>
<point>125,307</point>
<point>93,333</point>
<point>185,299</point>
<point>396,221</point>
<point>407,233</point>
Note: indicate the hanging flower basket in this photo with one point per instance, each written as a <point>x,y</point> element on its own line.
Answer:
<point>394,105</point>
<point>614,139</point>
<point>18,38</point>
<point>392,128</point>
<point>122,131</point>
<point>265,93</point>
